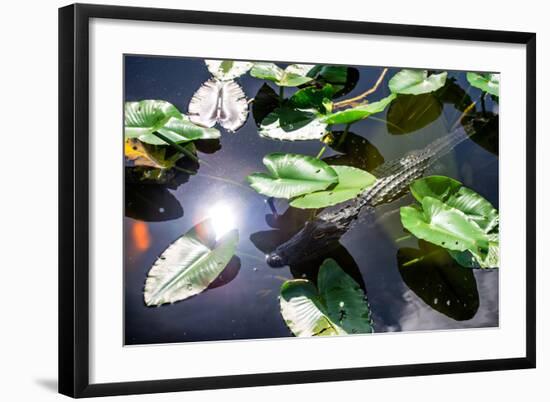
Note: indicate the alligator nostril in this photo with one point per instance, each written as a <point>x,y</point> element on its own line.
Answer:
<point>275,260</point>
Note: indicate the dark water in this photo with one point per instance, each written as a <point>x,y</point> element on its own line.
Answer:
<point>243,303</point>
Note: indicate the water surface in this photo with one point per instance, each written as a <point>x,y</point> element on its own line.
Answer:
<point>243,302</point>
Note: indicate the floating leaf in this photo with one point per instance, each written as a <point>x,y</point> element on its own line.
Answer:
<point>410,113</point>
<point>290,124</point>
<point>292,175</point>
<point>143,118</point>
<point>445,226</point>
<point>351,182</point>
<point>225,70</point>
<point>455,195</point>
<point>337,307</point>
<point>222,102</point>
<point>416,82</point>
<point>473,260</point>
<point>189,265</point>
<point>487,82</point>
<point>353,114</point>
<point>294,75</point>
<point>439,281</point>
<point>313,98</point>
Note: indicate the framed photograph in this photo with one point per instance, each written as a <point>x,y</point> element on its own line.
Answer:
<point>257,200</point>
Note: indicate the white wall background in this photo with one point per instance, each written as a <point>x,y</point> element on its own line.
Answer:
<point>28,199</point>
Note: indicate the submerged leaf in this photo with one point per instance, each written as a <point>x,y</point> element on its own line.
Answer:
<point>222,102</point>
<point>351,182</point>
<point>487,82</point>
<point>416,82</point>
<point>292,175</point>
<point>337,307</point>
<point>189,265</point>
<point>225,70</point>
<point>353,114</point>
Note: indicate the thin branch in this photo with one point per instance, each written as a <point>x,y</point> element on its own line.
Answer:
<point>350,101</point>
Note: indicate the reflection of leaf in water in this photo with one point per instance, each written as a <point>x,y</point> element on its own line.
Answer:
<point>483,130</point>
<point>265,102</point>
<point>310,269</point>
<point>439,280</point>
<point>453,93</point>
<point>208,146</point>
<point>357,152</point>
<point>408,113</point>
<point>290,221</point>
<point>228,274</point>
<point>151,203</point>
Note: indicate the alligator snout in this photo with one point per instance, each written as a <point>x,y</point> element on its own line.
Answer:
<point>275,260</point>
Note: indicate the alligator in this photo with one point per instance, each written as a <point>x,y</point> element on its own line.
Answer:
<point>393,179</point>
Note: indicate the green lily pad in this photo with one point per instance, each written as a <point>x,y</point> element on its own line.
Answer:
<point>441,224</point>
<point>337,306</point>
<point>313,98</point>
<point>487,82</point>
<point>294,75</point>
<point>292,175</point>
<point>225,70</point>
<point>470,259</point>
<point>353,114</point>
<point>342,78</point>
<point>416,82</point>
<point>143,118</point>
<point>454,194</point>
<point>189,265</point>
<point>351,182</point>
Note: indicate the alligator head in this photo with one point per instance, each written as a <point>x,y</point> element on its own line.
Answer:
<point>314,240</point>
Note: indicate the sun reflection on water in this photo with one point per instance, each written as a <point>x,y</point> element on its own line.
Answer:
<point>223,218</point>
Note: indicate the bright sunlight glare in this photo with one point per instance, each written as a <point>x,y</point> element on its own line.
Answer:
<point>222,217</point>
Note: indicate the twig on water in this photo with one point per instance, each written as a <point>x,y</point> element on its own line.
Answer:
<point>350,101</point>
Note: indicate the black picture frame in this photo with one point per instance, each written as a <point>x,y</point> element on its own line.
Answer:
<point>74,201</point>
